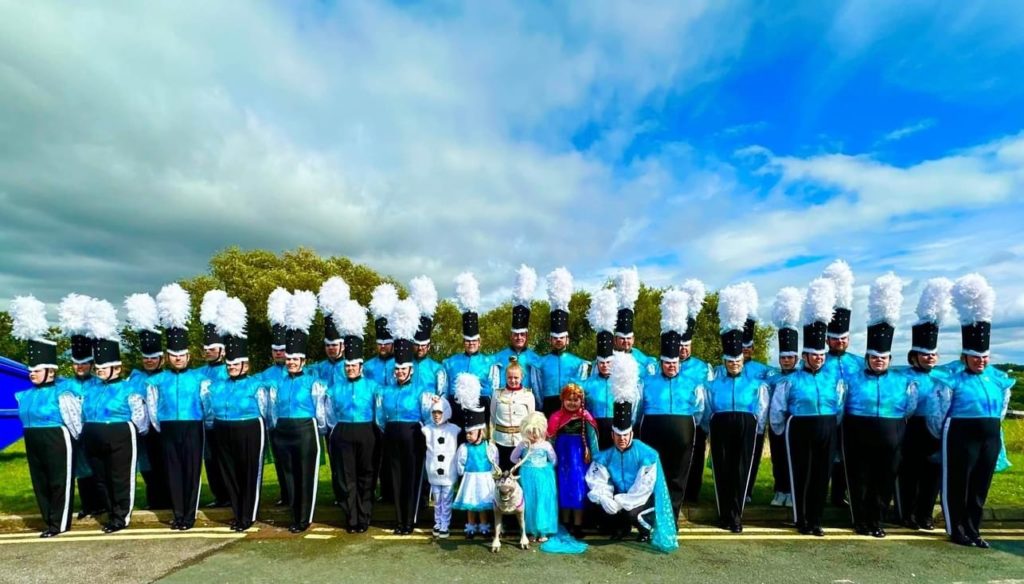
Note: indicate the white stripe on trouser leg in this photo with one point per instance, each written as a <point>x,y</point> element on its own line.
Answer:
<point>259,472</point>
<point>792,482</point>
<point>199,475</point>
<point>714,478</point>
<point>945,477</point>
<point>69,477</point>
<point>131,480</point>
<point>846,471</point>
<point>750,469</point>
<point>316,471</point>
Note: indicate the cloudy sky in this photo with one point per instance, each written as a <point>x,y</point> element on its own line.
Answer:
<point>719,140</point>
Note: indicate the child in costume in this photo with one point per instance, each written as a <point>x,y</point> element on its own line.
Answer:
<point>442,438</point>
<point>477,459</point>
<point>537,459</point>
<point>574,432</point>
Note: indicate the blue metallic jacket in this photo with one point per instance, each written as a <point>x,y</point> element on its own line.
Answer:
<point>380,370</point>
<point>116,402</point>
<point>352,402</point>
<point>431,373</point>
<point>177,396</point>
<point>742,393</point>
<point>807,394</point>
<point>405,403</point>
<point>299,396</point>
<point>598,395</point>
<point>52,406</point>
<point>78,386</point>
<point>273,374</point>
<point>677,396</point>
<point>215,372</point>
<point>327,370</point>
<point>235,400</point>
<point>555,371</point>
<point>478,364</point>
<point>528,359</point>
<point>694,368</point>
<point>757,370</point>
<point>979,395</point>
<point>890,395</point>
<point>846,364</point>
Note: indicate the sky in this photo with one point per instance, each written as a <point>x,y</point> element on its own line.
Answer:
<point>721,140</point>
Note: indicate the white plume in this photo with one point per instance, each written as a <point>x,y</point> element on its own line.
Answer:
<point>752,300</point>
<point>885,299</point>
<point>277,306</point>
<point>72,314</point>
<point>383,300</point>
<point>467,390</point>
<point>333,294</point>
<point>935,300</point>
<point>140,312</point>
<point>819,304</point>
<point>674,310</point>
<point>210,305</point>
<point>526,285</point>
<point>424,294</point>
<point>625,378</point>
<point>842,276</point>
<point>350,319</point>
<point>174,305</point>
<point>559,289</point>
<point>786,308</point>
<point>103,320</point>
<point>301,310</point>
<point>627,287</point>
<point>404,319</point>
<point>697,291</point>
<point>467,292</point>
<point>231,317</point>
<point>732,307</point>
<point>29,316</point>
<point>974,299</point>
<point>603,310</point>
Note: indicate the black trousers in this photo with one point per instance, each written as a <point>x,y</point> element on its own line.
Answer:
<point>240,446</point>
<point>353,451</point>
<point>970,449</point>
<point>672,437</point>
<point>299,446</point>
<point>733,445</point>
<point>405,451</point>
<point>810,444</point>
<point>158,496</point>
<point>758,455</point>
<point>183,458</point>
<point>695,480</point>
<point>112,451</point>
<point>604,433</point>
<point>780,463</point>
<point>920,474</point>
<point>642,517</point>
<point>214,477</point>
<point>275,451</point>
<point>94,501</point>
<point>871,452</point>
<point>51,459</point>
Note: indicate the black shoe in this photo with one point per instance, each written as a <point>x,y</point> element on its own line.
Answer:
<point>577,532</point>
<point>928,525</point>
<point>398,531</point>
<point>48,534</point>
<point>911,524</point>
<point>644,536</point>
<point>878,532</point>
<point>962,540</point>
<point>112,528</point>
<point>175,525</point>
<point>233,525</point>
<point>737,528</point>
<point>298,528</point>
<point>408,530</point>
<point>362,528</point>
<point>862,530</point>
<point>816,531</point>
<point>351,530</point>
<point>978,542</point>
<point>81,515</point>
<point>185,525</point>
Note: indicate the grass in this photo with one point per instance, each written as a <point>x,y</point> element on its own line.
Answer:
<point>16,495</point>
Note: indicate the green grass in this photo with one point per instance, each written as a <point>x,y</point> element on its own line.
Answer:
<point>16,495</point>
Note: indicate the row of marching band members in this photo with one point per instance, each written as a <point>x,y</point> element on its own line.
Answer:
<point>379,406</point>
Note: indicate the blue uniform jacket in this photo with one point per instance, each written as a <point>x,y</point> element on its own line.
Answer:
<point>234,400</point>
<point>405,403</point>
<point>555,371</point>
<point>352,402</point>
<point>116,402</point>
<point>807,394</point>
<point>431,373</point>
<point>747,394</point>
<point>380,370</point>
<point>677,396</point>
<point>890,395</point>
<point>478,364</point>
<point>299,396</point>
<point>177,396</point>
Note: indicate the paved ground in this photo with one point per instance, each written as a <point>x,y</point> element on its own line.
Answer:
<point>146,554</point>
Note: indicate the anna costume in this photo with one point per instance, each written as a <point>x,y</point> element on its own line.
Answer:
<point>575,439</point>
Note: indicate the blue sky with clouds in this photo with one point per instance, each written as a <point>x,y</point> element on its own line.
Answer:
<point>719,140</point>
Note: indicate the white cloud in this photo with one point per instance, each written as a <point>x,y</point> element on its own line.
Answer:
<point>900,133</point>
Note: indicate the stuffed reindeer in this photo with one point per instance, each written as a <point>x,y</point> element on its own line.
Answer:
<point>509,500</point>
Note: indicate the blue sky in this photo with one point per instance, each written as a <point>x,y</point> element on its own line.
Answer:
<point>718,140</point>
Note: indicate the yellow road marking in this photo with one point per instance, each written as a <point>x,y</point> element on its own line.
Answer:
<point>318,536</point>
<point>836,530</point>
<point>402,537</point>
<point>133,536</point>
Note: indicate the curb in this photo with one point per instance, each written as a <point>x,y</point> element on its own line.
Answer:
<point>384,515</point>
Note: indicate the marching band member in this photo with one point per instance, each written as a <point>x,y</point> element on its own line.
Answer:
<point>381,369</point>
<point>426,369</point>
<point>602,316</point>
<point>786,318</point>
<point>690,366</point>
<point>519,334</point>
<point>471,360</point>
<point>558,367</point>
<point>214,370</point>
<point>333,294</point>
<point>627,291</point>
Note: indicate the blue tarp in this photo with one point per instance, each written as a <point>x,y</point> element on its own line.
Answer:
<point>13,378</point>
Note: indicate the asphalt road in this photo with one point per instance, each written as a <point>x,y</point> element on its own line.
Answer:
<point>147,554</point>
